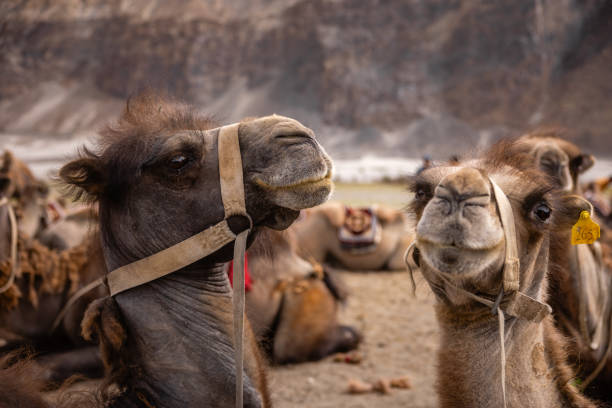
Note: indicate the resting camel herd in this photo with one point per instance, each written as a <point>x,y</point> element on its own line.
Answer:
<point>525,317</point>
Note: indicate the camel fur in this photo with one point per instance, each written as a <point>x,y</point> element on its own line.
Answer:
<point>459,236</point>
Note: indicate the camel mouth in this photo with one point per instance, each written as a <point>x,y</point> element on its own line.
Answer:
<point>306,183</point>
<point>456,247</point>
<point>299,195</point>
<point>458,260</point>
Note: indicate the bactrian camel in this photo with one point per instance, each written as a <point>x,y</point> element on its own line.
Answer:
<point>484,226</point>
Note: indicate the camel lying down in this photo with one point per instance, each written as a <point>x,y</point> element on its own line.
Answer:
<point>357,239</point>
<point>292,304</point>
<point>466,253</point>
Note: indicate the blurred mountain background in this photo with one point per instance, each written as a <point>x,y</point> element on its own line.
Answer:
<point>396,78</point>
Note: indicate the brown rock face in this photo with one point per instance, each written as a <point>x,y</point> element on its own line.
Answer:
<point>405,68</point>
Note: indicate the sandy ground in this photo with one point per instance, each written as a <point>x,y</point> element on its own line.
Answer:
<point>400,338</point>
<point>400,333</point>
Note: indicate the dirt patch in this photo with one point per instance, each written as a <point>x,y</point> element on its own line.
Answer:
<point>401,337</point>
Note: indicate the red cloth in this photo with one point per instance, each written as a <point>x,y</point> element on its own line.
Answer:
<point>247,275</point>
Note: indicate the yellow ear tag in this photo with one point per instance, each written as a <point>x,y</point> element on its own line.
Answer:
<point>585,231</point>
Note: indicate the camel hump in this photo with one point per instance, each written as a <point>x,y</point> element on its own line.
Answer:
<point>387,214</point>
<point>335,212</point>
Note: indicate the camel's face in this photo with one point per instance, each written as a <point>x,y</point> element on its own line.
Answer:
<point>459,232</point>
<point>563,161</point>
<point>554,162</point>
<point>284,163</point>
<point>158,189</point>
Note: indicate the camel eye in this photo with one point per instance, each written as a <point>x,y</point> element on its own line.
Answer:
<point>178,162</point>
<point>420,193</point>
<point>542,211</point>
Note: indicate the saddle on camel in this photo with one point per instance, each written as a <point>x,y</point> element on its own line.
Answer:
<point>361,231</point>
<point>371,238</point>
<point>164,178</point>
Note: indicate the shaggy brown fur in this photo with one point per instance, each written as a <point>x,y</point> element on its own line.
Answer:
<point>102,323</point>
<point>129,142</point>
<point>21,384</point>
<point>556,347</point>
<point>44,271</point>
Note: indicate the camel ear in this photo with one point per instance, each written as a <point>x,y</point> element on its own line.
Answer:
<point>335,213</point>
<point>86,175</point>
<point>568,211</point>
<point>582,163</point>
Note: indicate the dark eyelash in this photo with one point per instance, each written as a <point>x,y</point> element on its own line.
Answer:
<point>536,197</point>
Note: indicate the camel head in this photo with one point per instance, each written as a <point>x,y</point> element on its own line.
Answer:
<point>156,176</point>
<point>549,151</point>
<point>27,193</point>
<point>460,236</point>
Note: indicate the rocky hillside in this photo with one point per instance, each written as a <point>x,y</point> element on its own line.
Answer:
<point>389,77</point>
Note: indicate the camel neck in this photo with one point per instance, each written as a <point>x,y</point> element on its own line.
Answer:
<point>469,363</point>
<point>180,339</point>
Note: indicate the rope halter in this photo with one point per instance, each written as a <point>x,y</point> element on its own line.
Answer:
<point>14,239</point>
<point>519,304</point>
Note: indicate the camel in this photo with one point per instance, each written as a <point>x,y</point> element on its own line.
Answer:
<point>292,304</point>
<point>71,230</point>
<point>43,281</point>
<point>483,237</point>
<point>320,236</point>
<point>155,177</point>
<point>562,160</point>
<point>581,285</point>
